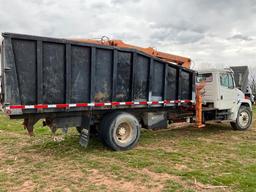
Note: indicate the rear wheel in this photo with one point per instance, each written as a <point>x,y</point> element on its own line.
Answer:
<point>120,131</point>
<point>243,120</point>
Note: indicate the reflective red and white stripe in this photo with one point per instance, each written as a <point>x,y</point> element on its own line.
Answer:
<point>97,104</point>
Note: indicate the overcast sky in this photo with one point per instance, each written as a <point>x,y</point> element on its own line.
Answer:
<point>210,32</point>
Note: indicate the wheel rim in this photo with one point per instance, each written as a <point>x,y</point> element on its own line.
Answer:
<point>244,119</point>
<point>124,133</point>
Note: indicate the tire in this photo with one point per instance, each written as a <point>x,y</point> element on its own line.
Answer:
<point>120,131</point>
<point>243,120</point>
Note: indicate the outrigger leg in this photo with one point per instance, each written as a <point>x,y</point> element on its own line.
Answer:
<point>199,107</point>
<point>29,123</point>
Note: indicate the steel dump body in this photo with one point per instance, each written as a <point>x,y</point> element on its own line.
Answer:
<point>39,71</point>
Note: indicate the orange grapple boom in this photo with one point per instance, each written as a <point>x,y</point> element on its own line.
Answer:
<point>183,61</point>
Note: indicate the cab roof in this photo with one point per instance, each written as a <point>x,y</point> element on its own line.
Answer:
<point>214,70</point>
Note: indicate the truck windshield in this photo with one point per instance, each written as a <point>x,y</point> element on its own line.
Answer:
<point>206,77</point>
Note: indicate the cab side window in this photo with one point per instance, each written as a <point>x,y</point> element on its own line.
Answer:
<point>226,80</point>
<point>230,81</point>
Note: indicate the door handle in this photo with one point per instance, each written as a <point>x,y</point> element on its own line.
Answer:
<point>221,97</point>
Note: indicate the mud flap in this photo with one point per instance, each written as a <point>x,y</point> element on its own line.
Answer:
<point>84,137</point>
<point>85,132</point>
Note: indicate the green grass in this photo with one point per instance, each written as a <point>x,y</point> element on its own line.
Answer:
<point>215,158</point>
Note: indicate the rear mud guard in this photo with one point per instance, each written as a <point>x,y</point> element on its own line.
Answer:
<point>85,131</point>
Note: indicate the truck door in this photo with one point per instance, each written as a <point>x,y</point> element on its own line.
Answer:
<point>227,91</point>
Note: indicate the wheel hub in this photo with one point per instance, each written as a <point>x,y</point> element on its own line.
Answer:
<point>124,132</point>
<point>244,119</point>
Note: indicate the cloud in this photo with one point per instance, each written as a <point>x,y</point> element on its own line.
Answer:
<point>182,34</point>
<point>124,1</point>
<point>241,37</point>
<point>212,33</point>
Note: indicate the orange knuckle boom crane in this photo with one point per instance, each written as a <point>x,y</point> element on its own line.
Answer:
<point>183,61</point>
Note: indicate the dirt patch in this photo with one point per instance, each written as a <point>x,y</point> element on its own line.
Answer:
<point>2,154</point>
<point>181,167</point>
<point>158,179</point>
<point>27,186</point>
<point>99,179</point>
<point>195,186</point>
<point>156,176</point>
<point>163,177</point>
<point>163,145</point>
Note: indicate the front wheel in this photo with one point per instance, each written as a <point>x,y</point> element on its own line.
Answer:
<point>120,131</point>
<point>243,120</point>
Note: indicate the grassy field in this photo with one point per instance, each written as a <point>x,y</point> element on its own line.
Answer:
<point>215,158</point>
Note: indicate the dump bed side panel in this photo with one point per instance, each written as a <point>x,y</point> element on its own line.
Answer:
<point>11,93</point>
<point>80,74</point>
<point>141,76</point>
<point>123,75</point>
<point>25,61</point>
<point>39,71</point>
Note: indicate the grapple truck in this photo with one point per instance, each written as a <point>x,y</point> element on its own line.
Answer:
<point>110,87</point>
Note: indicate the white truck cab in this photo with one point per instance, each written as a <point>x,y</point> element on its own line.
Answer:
<point>222,100</point>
